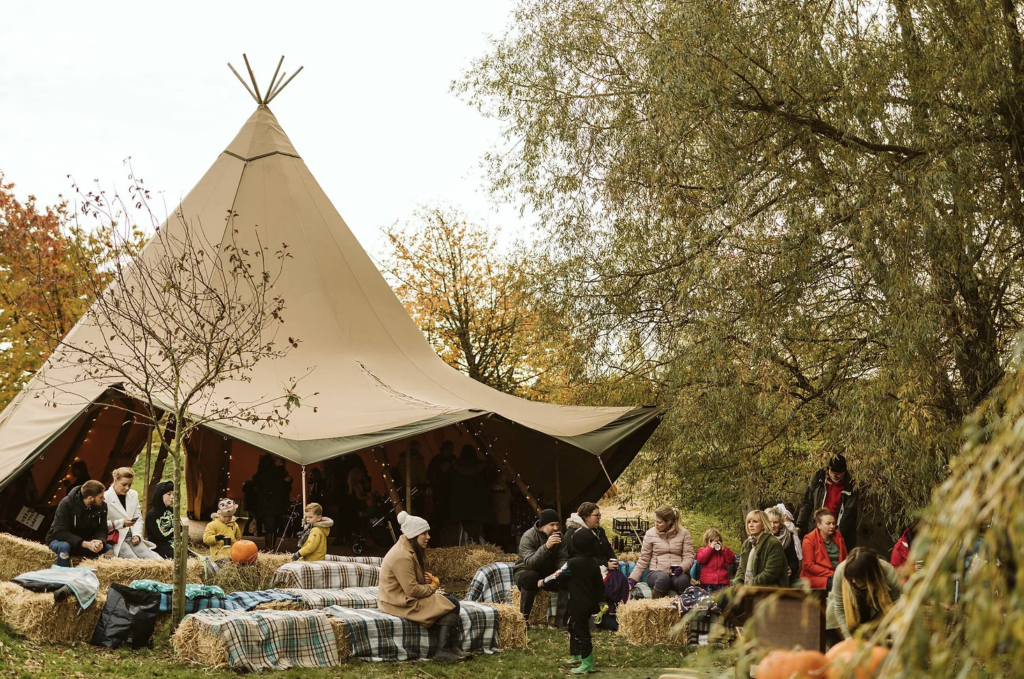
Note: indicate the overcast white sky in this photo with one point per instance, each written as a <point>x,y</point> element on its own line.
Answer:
<point>85,85</point>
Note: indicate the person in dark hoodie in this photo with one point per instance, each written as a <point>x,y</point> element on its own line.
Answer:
<point>273,490</point>
<point>834,489</point>
<point>160,519</point>
<point>582,577</point>
<point>79,527</point>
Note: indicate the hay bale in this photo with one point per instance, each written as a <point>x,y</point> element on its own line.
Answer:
<point>628,556</point>
<point>453,564</point>
<point>196,644</point>
<point>251,577</point>
<point>111,571</point>
<point>35,617</point>
<point>341,637</point>
<point>650,621</point>
<point>19,556</point>
<point>280,606</point>
<point>511,627</point>
<point>539,614</point>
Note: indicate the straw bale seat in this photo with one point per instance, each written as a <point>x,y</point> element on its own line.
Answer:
<point>644,622</point>
<point>19,556</point>
<point>544,606</point>
<point>34,616</point>
<point>459,564</point>
<point>511,627</point>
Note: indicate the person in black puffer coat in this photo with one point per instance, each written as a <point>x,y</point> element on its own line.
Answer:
<point>160,519</point>
<point>582,576</point>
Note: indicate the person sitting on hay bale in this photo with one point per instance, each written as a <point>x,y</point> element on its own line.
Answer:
<point>762,560</point>
<point>667,555</point>
<point>123,514</point>
<point>582,577</point>
<point>219,535</point>
<point>79,527</point>
<point>541,552</point>
<point>313,541</point>
<point>616,587</point>
<point>407,591</point>
<point>160,519</point>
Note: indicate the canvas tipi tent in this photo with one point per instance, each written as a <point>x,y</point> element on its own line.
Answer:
<point>378,379</point>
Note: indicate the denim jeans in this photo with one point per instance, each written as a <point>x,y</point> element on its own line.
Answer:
<point>65,551</point>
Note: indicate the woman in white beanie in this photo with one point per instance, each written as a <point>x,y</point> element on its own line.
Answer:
<point>408,591</point>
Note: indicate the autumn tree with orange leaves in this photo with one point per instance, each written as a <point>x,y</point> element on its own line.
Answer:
<point>478,306</point>
<point>44,291</point>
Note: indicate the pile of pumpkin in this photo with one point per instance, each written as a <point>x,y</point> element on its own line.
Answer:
<point>849,659</point>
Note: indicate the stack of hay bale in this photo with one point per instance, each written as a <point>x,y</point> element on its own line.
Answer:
<point>644,622</point>
<point>35,617</point>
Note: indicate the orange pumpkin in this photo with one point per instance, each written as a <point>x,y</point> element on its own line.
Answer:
<point>791,665</point>
<point>841,658</point>
<point>244,551</point>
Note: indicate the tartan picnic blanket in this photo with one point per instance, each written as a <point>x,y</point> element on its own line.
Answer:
<point>326,575</point>
<point>367,560</point>
<point>493,583</point>
<point>246,601</point>
<point>380,637</point>
<point>198,603</point>
<point>318,599</point>
<point>274,639</point>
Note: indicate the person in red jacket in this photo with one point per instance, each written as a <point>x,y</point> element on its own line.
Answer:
<point>824,550</point>
<point>714,558</point>
<point>901,551</point>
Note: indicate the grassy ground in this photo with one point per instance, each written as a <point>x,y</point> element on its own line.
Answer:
<point>615,658</point>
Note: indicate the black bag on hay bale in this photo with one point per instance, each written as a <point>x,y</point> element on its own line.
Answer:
<point>128,618</point>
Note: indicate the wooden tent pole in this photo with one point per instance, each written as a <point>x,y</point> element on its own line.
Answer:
<point>408,477</point>
<point>389,485</point>
<point>259,97</point>
<point>558,487</point>
<point>303,487</point>
<point>510,474</point>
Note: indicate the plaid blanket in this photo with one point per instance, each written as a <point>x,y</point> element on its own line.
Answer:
<point>246,601</point>
<point>368,560</point>
<point>274,639</point>
<point>318,599</point>
<point>493,584</point>
<point>198,603</point>
<point>326,575</point>
<point>378,637</point>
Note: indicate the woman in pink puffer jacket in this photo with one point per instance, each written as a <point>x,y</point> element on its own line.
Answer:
<point>667,554</point>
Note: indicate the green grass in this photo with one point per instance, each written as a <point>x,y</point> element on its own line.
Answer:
<point>615,658</point>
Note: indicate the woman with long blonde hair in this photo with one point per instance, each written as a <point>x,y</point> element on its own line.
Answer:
<point>667,555</point>
<point>762,561</point>
<point>124,518</point>
<point>863,590</point>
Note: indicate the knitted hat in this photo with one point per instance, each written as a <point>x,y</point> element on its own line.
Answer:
<point>412,525</point>
<point>548,516</point>
<point>837,465</point>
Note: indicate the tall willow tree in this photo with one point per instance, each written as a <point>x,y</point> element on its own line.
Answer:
<point>803,221</point>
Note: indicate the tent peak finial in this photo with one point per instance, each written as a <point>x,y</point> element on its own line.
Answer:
<point>275,87</point>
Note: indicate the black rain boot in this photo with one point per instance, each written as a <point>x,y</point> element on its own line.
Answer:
<point>526,603</point>
<point>443,640</point>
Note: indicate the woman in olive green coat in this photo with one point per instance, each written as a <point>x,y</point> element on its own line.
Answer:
<point>763,559</point>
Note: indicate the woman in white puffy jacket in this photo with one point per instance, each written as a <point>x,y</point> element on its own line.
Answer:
<point>124,515</point>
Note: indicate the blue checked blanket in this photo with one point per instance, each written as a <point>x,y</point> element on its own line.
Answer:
<point>326,575</point>
<point>198,603</point>
<point>246,601</point>
<point>368,560</point>
<point>318,599</point>
<point>280,640</point>
<point>493,584</point>
<point>378,637</point>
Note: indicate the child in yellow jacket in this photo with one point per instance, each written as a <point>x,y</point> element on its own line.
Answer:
<point>313,541</point>
<point>220,534</point>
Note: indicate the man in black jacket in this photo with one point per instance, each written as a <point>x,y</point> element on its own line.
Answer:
<point>79,527</point>
<point>835,489</point>
<point>541,552</point>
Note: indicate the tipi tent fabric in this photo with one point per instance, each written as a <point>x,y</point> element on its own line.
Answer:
<point>378,378</point>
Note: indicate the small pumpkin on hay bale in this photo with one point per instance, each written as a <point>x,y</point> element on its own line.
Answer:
<point>34,615</point>
<point>19,556</point>
<point>539,613</point>
<point>511,627</point>
<point>651,621</point>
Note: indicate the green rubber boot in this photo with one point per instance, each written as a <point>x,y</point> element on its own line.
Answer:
<point>574,660</point>
<point>586,666</point>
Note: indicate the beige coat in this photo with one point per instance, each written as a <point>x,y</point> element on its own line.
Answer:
<point>661,551</point>
<point>402,591</point>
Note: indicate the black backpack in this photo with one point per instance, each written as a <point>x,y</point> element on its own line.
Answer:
<point>128,617</point>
